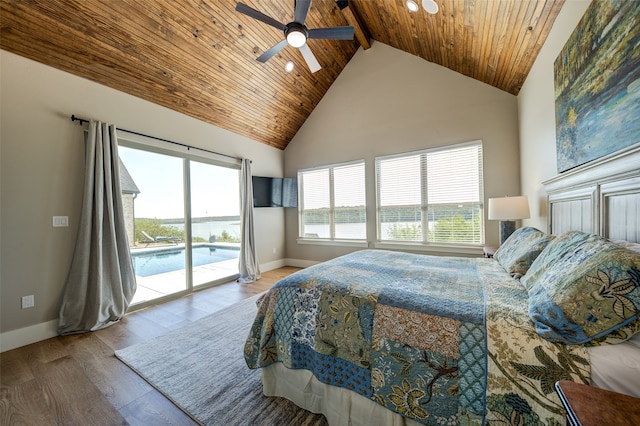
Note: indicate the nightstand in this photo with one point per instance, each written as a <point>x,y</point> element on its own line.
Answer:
<point>490,251</point>
<point>587,405</point>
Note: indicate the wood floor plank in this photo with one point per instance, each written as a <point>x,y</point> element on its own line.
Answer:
<point>140,324</point>
<point>154,409</point>
<point>45,351</point>
<point>120,335</point>
<point>185,308</point>
<point>106,372</point>
<point>71,397</point>
<point>23,404</point>
<point>161,316</point>
<point>77,379</point>
<point>14,368</point>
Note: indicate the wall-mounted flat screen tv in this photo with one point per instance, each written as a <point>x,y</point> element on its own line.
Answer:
<point>274,192</point>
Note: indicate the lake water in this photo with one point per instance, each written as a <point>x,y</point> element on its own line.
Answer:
<point>353,230</point>
<point>343,230</point>
<point>214,227</point>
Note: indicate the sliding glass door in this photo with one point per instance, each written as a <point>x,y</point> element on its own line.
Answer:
<point>215,221</point>
<point>183,221</point>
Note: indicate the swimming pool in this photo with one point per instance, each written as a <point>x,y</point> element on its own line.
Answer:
<point>168,260</point>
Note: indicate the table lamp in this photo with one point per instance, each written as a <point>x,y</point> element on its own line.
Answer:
<point>507,210</point>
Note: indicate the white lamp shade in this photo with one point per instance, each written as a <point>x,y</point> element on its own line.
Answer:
<point>509,208</point>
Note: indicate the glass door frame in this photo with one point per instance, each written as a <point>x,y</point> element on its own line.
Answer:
<point>186,155</point>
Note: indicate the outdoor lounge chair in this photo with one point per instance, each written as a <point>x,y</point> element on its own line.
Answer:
<point>150,239</point>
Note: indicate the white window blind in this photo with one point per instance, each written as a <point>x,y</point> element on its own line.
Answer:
<point>332,202</point>
<point>432,196</point>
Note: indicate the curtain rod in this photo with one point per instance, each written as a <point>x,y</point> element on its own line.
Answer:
<point>83,120</point>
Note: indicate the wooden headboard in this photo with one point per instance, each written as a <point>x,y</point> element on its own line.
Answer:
<point>602,197</point>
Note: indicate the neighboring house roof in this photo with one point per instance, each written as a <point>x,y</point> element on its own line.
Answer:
<point>127,184</point>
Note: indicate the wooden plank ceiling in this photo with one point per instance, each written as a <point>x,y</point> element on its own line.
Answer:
<point>198,56</point>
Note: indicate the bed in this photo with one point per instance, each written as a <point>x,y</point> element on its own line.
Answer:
<point>379,337</point>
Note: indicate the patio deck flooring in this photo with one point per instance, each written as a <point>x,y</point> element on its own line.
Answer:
<point>161,285</point>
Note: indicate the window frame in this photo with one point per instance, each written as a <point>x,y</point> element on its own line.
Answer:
<point>423,244</point>
<point>348,242</point>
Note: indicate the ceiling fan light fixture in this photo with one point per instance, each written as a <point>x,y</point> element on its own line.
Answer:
<point>412,6</point>
<point>296,33</point>
<point>430,6</point>
<point>288,67</point>
<point>296,37</point>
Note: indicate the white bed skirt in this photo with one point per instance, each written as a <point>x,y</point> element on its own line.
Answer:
<point>341,407</point>
<point>617,367</point>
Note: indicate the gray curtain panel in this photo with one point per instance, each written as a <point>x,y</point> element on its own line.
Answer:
<point>249,266</point>
<point>101,280</point>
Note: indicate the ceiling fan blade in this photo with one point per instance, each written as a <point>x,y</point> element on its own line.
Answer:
<point>302,8</point>
<point>333,33</point>
<point>310,58</point>
<point>255,14</point>
<point>269,53</point>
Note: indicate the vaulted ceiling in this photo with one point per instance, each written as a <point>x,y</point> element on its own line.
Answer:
<point>198,56</point>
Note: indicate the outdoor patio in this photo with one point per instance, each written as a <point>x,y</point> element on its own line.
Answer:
<point>160,285</point>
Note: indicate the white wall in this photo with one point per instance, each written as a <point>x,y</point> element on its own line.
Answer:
<point>536,115</point>
<point>41,154</point>
<point>387,101</point>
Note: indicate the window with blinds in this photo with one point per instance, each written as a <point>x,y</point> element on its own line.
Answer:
<point>432,197</point>
<point>332,202</point>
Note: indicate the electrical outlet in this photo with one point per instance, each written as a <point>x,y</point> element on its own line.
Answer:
<point>28,301</point>
<point>274,250</point>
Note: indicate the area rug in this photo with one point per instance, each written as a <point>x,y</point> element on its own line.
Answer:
<point>200,368</point>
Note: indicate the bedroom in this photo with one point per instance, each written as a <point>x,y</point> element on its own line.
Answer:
<point>41,162</point>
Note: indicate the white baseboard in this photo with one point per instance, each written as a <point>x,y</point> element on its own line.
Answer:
<point>264,267</point>
<point>299,263</point>
<point>25,336</point>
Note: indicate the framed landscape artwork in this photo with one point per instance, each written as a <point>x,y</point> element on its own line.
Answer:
<point>597,84</point>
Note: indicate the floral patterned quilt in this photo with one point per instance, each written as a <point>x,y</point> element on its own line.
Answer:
<point>441,340</point>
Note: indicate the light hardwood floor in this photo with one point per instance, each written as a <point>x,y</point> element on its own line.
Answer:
<point>77,380</point>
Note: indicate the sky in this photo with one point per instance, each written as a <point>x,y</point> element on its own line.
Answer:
<point>214,189</point>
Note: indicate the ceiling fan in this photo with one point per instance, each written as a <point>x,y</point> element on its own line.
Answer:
<point>296,33</point>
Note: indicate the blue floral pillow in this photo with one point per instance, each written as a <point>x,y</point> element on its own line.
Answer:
<point>552,254</point>
<point>583,287</point>
<point>519,251</point>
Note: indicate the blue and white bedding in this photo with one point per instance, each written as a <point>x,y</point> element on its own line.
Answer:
<point>440,340</point>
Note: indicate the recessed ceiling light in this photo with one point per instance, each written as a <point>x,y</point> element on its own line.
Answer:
<point>430,6</point>
<point>288,67</point>
<point>412,6</point>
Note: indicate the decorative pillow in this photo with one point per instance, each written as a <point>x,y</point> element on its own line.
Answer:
<point>551,255</point>
<point>628,245</point>
<point>519,251</point>
<point>583,287</point>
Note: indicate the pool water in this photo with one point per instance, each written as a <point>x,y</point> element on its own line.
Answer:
<point>160,262</point>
